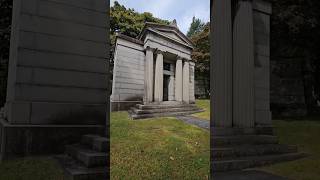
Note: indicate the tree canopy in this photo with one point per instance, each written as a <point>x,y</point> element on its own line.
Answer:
<point>129,22</point>
<point>295,34</point>
<point>196,27</point>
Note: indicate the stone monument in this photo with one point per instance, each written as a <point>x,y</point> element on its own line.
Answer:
<point>154,69</point>
<point>58,75</point>
<point>241,126</point>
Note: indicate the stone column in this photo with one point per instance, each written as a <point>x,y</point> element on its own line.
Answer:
<point>243,66</point>
<point>178,89</point>
<point>221,64</point>
<point>191,89</point>
<point>186,83</point>
<point>158,80</point>
<point>148,75</point>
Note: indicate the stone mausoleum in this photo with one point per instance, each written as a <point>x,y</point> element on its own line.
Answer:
<point>154,68</point>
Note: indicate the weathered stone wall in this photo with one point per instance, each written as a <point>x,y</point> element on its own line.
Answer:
<point>58,76</point>
<point>128,73</point>
<point>261,22</point>
<point>57,67</point>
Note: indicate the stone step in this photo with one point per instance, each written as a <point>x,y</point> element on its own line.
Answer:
<point>251,150</point>
<point>173,109</point>
<point>219,141</point>
<point>163,106</point>
<point>89,157</point>
<point>253,161</point>
<point>74,170</point>
<point>169,114</point>
<point>96,142</point>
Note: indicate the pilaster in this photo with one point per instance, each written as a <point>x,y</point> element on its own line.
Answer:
<point>158,80</point>
<point>243,66</point>
<point>178,89</point>
<point>186,82</point>
<point>221,64</point>
<point>148,76</point>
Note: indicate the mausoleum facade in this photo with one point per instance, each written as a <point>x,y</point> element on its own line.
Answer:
<point>154,68</point>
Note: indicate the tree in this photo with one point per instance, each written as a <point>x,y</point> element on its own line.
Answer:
<point>201,54</point>
<point>128,22</point>
<point>196,26</point>
<point>295,34</point>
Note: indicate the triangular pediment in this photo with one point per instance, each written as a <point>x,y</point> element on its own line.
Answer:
<point>166,31</point>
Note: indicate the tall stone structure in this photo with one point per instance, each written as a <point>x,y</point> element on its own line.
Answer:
<point>241,128</point>
<point>57,80</point>
<point>154,68</point>
<point>241,64</point>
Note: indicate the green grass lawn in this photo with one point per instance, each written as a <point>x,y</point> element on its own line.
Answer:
<point>204,104</point>
<point>31,168</point>
<point>163,148</point>
<point>305,134</point>
<point>166,148</point>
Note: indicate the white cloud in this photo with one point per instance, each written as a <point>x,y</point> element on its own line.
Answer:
<point>181,10</point>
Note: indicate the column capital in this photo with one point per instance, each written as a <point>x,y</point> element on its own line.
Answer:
<point>159,52</point>
<point>180,57</point>
<point>148,48</point>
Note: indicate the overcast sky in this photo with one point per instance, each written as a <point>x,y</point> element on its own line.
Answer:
<point>181,10</point>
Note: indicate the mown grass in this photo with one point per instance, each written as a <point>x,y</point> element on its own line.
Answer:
<point>160,148</point>
<point>204,104</point>
<point>31,168</point>
<point>166,148</point>
<point>305,134</point>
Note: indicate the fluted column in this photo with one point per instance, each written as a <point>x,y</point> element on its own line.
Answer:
<point>178,78</point>
<point>158,80</point>
<point>221,64</point>
<point>186,82</point>
<point>243,66</point>
<point>148,80</point>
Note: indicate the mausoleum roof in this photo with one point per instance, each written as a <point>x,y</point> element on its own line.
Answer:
<point>128,38</point>
<point>170,31</point>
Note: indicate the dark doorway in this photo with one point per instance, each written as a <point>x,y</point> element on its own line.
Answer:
<point>166,79</point>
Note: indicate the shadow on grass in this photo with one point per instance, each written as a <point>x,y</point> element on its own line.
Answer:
<point>31,168</point>
<point>305,134</point>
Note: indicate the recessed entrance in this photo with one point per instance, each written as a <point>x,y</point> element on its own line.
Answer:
<point>166,81</point>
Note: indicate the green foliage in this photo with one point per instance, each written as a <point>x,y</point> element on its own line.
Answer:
<point>201,54</point>
<point>196,27</point>
<point>128,21</point>
<point>295,33</point>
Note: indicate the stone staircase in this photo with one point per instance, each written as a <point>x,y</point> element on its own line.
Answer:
<point>87,160</point>
<point>237,150</point>
<point>141,111</point>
